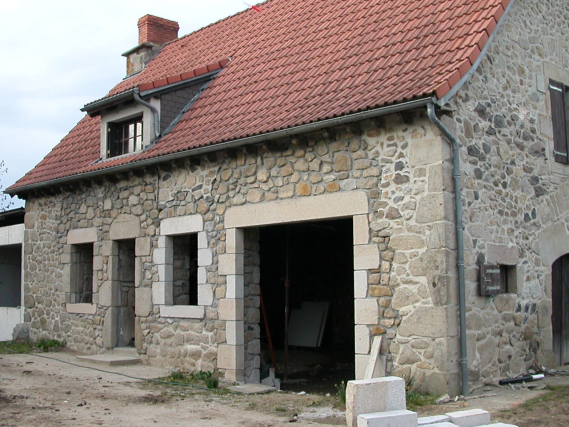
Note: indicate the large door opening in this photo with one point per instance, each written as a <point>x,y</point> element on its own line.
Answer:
<point>126,293</point>
<point>316,260</point>
<point>560,309</point>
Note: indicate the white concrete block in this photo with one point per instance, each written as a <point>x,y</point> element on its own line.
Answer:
<point>205,257</point>
<point>362,335</point>
<point>230,264</point>
<point>202,276</point>
<point>496,425</point>
<point>230,309</point>
<point>443,424</point>
<point>235,286</point>
<point>108,294</point>
<point>205,295</point>
<point>143,302</point>
<point>82,235</point>
<point>360,284</point>
<point>202,240</point>
<point>375,395</point>
<point>469,418</point>
<point>362,361</point>
<point>230,357</point>
<point>402,418</point>
<point>234,241</point>
<point>165,272</point>
<point>335,205</point>
<point>234,332</point>
<point>423,421</point>
<point>163,255</point>
<point>162,293</point>
<point>183,311</point>
<point>81,308</point>
<point>366,257</point>
<point>181,225</point>
<point>361,230</point>
<point>366,311</point>
<point>125,227</point>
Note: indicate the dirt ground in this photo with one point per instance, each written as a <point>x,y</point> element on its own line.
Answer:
<point>51,390</point>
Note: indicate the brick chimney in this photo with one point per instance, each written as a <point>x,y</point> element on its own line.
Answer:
<point>152,29</point>
<point>153,32</point>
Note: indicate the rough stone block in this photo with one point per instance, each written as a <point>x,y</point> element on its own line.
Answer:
<point>230,264</point>
<point>109,248</point>
<point>80,236</point>
<point>21,332</point>
<point>110,328</point>
<point>234,241</point>
<point>143,301</point>
<point>108,294</point>
<point>143,246</point>
<point>427,151</point>
<point>231,357</point>
<point>366,311</point>
<point>234,333</point>
<point>553,242</point>
<point>375,395</point>
<point>469,418</point>
<point>423,421</point>
<point>431,322</point>
<point>230,309</point>
<point>235,286</point>
<point>366,257</point>
<point>401,418</point>
<point>361,230</point>
<point>435,207</point>
<point>360,284</point>
<point>181,225</point>
<point>125,227</point>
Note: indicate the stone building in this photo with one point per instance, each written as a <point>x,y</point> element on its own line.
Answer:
<point>320,145</point>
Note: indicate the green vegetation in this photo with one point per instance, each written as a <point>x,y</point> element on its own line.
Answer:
<point>555,394</point>
<point>416,400</point>
<point>46,345</point>
<point>199,378</point>
<point>341,391</point>
<point>11,347</point>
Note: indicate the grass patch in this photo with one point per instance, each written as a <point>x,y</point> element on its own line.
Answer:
<point>46,345</point>
<point>416,400</point>
<point>555,394</point>
<point>11,347</point>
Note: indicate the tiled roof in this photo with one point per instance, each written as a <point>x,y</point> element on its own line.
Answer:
<point>297,62</point>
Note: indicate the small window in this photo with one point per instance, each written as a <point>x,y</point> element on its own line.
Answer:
<point>124,137</point>
<point>560,117</point>
<point>497,279</point>
<point>185,274</point>
<point>82,274</point>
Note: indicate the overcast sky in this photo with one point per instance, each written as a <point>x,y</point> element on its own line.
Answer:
<point>58,55</point>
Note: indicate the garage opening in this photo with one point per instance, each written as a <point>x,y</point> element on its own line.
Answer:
<point>315,259</point>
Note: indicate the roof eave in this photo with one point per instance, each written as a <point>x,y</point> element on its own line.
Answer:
<point>283,133</point>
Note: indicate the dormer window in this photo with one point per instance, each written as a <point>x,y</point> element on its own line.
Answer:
<point>124,137</point>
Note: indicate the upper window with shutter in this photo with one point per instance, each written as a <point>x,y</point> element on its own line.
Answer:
<point>560,116</point>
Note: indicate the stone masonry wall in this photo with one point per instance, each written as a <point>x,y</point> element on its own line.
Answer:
<point>513,190</point>
<point>406,294</point>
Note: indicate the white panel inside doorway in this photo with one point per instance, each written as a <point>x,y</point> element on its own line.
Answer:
<point>306,325</point>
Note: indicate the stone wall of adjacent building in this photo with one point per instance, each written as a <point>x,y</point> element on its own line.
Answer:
<point>404,286</point>
<point>515,196</point>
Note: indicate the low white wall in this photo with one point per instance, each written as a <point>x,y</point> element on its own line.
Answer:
<point>9,318</point>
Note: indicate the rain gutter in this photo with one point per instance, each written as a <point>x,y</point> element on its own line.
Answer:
<point>270,136</point>
<point>459,243</point>
<point>155,112</point>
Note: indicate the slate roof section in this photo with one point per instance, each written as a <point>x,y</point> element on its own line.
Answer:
<point>297,62</point>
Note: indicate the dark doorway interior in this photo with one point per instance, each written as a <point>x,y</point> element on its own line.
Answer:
<point>560,309</point>
<point>10,276</point>
<point>317,259</point>
<point>125,315</point>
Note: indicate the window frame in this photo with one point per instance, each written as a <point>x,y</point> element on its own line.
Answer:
<point>121,140</point>
<point>559,102</point>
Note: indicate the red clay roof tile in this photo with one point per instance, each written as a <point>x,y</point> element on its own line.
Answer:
<point>300,61</point>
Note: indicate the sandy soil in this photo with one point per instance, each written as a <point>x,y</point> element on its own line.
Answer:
<point>49,391</point>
